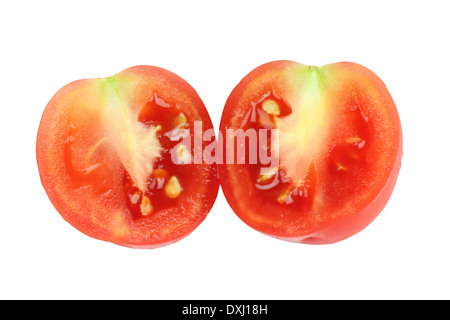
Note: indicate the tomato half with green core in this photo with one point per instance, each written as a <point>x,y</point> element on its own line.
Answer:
<point>338,151</point>
<point>107,157</point>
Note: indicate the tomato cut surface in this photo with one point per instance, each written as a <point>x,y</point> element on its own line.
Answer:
<point>338,151</point>
<point>107,157</point>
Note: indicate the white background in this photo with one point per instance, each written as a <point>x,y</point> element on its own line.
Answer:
<point>403,254</point>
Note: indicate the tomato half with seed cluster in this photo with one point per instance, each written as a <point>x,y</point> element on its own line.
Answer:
<point>338,151</point>
<point>108,161</point>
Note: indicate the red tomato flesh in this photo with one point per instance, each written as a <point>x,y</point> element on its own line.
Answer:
<point>340,148</point>
<point>104,157</point>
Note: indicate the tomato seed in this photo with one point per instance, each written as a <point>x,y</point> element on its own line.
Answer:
<point>146,206</point>
<point>353,140</point>
<point>267,175</point>
<point>172,187</point>
<point>179,121</point>
<point>271,107</point>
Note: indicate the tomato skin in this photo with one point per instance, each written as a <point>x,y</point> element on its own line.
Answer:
<point>330,222</point>
<point>351,225</point>
<point>103,213</point>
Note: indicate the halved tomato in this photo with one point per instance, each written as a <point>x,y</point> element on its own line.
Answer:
<point>106,151</point>
<point>338,151</point>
